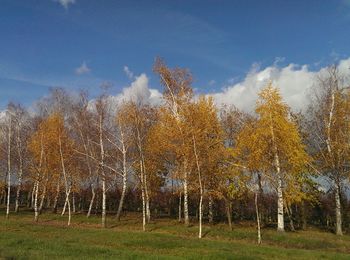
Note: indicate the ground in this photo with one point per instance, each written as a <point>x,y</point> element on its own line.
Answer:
<point>22,238</point>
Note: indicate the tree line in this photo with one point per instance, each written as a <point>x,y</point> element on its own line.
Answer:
<point>185,157</point>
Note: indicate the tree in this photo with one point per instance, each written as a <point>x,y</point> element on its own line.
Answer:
<point>52,151</point>
<point>177,95</point>
<point>273,146</point>
<point>207,143</point>
<point>329,127</point>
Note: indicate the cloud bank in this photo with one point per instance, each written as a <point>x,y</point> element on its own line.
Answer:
<point>293,80</point>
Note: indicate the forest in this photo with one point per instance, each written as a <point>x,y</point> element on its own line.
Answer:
<point>186,159</point>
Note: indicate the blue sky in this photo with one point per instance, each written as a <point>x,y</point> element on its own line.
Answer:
<point>83,43</point>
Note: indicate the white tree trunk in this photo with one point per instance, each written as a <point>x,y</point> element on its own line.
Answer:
<point>33,196</point>
<point>148,211</point>
<point>338,211</point>
<point>280,213</point>
<point>103,202</point>
<point>36,187</point>
<point>257,217</point>
<point>43,195</point>
<point>69,209</point>
<point>200,214</point>
<point>91,201</point>
<point>122,197</point>
<point>186,217</point>
<point>18,190</point>
<point>180,207</point>
<point>36,211</point>
<point>8,168</point>
<point>20,167</point>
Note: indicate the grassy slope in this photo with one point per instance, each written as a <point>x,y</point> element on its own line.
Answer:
<point>50,238</point>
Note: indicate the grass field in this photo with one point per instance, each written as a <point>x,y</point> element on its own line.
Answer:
<point>21,238</point>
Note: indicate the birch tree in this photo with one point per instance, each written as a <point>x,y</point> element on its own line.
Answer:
<point>273,146</point>
<point>329,127</point>
<point>177,95</point>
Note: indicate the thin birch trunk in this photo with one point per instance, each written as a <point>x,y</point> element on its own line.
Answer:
<point>338,228</point>
<point>210,212</point>
<point>148,211</point>
<point>200,187</point>
<point>33,195</point>
<point>180,207</point>
<point>280,212</point>
<point>290,216</point>
<point>143,197</point>
<point>43,195</point>
<point>102,154</point>
<point>122,197</point>
<point>65,177</point>
<point>36,187</point>
<point>103,220</point>
<point>36,211</point>
<point>55,202</point>
<point>338,211</point>
<point>9,168</point>
<point>257,217</point>
<point>280,215</point>
<point>229,213</point>
<point>64,206</point>
<point>92,200</point>
<point>186,217</point>
<point>20,170</point>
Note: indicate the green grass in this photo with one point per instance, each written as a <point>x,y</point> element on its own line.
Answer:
<point>21,238</point>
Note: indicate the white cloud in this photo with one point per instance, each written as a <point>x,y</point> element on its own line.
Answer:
<point>128,72</point>
<point>65,3</point>
<point>294,82</point>
<point>83,69</point>
<point>139,91</point>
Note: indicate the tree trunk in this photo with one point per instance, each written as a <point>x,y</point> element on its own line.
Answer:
<point>9,168</point>
<point>148,211</point>
<point>18,189</point>
<point>280,215</point>
<point>65,205</point>
<point>36,212</point>
<point>33,195</point>
<point>73,202</point>
<point>42,198</point>
<point>20,167</point>
<point>122,197</point>
<point>229,213</point>
<point>186,217</point>
<point>200,213</point>
<point>69,209</point>
<point>257,217</point>
<point>290,216</point>
<point>103,202</point>
<point>91,201</point>
<point>338,225</point>
<point>210,213</point>
<point>180,207</point>
<point>55,202</point>
<point>143,203</point>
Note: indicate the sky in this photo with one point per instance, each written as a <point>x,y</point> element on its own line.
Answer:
<point>232,47</point>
